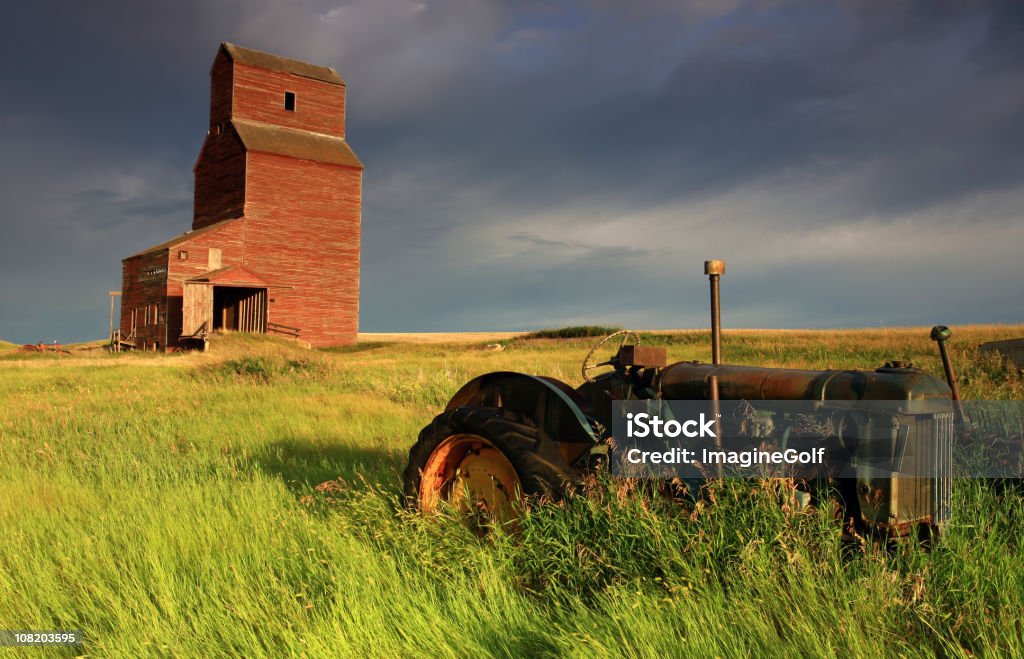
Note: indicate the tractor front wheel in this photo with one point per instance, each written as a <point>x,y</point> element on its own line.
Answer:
<point>484,462</point>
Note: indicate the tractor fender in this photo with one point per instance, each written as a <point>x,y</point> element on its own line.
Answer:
<point>550,403</point>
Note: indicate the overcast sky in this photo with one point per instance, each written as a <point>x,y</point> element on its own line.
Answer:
<point>538,164</point>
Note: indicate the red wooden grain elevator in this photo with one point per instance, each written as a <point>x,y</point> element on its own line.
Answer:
<point>274,245</point>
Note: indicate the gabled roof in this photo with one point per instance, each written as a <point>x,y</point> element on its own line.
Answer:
<point>232,275</point>
<point>302,144</point>
<point>188,235</point>
<point>277,63</point>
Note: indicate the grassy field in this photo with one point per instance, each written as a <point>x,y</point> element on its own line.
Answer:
<point>245,502</point>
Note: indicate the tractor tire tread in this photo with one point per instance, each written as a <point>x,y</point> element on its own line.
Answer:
<point>520,441</point>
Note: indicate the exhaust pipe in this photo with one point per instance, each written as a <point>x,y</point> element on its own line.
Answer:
<point>714,269</point>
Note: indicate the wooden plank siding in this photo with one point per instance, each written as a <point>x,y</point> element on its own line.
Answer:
<point>229,239</point>
<point>197,308</point>
<point>219,178</point>
<point>303,229</point>
<point>144,286</point>
<point>258,95</point>
<point>221,88</point>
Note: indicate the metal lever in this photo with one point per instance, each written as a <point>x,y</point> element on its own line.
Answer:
<point>941,334</point>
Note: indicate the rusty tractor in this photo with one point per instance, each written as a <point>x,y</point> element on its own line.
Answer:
<point>506,437</point>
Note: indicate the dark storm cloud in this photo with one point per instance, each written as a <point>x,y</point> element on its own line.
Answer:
<point>540,163</point>
<point>804,87</point>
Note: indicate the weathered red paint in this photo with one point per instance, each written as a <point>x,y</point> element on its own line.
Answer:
<point>258,95</point>
<point>290,222</point>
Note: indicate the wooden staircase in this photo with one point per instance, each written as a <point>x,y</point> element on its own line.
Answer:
<point>200,335</point>
<point>119,343</point>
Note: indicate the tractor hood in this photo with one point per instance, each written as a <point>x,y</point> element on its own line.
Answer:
<point>689,381</point>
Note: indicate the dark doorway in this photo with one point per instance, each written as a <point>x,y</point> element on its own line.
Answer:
<point>240,309</point>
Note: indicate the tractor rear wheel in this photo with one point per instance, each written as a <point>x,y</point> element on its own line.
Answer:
<point>484,462</point>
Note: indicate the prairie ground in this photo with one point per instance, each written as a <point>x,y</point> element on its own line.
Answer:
<point>245,501</point>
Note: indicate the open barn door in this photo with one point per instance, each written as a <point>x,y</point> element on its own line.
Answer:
<point>197,310</point>
<point>240,308</point>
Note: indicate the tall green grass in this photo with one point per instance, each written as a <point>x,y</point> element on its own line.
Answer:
<point>245,502</point>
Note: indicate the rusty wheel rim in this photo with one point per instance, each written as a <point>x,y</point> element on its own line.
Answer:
<point>474,477</point>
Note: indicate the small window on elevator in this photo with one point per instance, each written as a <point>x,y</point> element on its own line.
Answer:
<point>289,101</point>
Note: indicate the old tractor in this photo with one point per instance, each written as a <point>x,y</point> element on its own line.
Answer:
<point>506,437</point>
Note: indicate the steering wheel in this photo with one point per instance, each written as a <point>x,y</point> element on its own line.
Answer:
<point>588,361</point>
